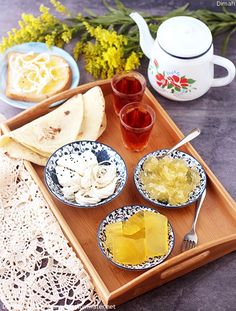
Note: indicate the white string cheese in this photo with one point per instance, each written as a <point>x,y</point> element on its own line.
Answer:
<point>84,180</point>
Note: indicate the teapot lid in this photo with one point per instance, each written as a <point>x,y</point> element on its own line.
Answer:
<point>184,37</point>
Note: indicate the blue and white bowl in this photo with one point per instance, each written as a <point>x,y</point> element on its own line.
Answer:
<point>190,161</point>
<point>123,214</point>
<point>102,152</point>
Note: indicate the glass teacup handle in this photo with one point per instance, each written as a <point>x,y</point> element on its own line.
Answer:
<point>228,65</point>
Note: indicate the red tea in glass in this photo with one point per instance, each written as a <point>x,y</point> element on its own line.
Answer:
<point>127,88</point>
<point>136,121</point>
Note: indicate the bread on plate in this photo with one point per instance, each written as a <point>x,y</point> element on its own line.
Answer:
<point>33,77</point>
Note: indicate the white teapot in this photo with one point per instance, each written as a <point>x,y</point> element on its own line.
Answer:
<point>181,63</point>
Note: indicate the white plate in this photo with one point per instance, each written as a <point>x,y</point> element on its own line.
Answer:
<point>35,47</point>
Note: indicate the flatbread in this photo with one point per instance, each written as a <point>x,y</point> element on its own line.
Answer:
<point>51,131</point>
<point>103,125</point>
<point>94,110</point>
<point>18,151</point>
<point>82,117</point>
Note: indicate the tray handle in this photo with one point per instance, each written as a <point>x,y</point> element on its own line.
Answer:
<point>45,106</point>
<point>185,266</point>
<point>197,258</point>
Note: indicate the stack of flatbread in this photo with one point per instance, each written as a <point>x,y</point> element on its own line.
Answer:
<point>82,117</point>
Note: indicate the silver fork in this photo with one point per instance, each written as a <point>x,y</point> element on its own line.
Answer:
<point>191,239</point>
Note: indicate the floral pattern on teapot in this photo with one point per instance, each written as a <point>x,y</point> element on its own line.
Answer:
<point>172,82</point>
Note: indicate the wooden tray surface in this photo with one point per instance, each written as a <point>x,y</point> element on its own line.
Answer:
<point>216,226</point>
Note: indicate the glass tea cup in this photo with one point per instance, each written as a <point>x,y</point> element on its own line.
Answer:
<point>136,123</point>
<point>127,88</point>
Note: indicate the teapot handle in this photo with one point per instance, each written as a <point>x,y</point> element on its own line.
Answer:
<point>229,66</point>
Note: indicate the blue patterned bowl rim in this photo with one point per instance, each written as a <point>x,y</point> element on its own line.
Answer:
<point>174,154</point>
<point>123,181</point>
<point>132,209</point>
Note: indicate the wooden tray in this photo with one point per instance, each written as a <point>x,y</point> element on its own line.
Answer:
<point>216,226</point>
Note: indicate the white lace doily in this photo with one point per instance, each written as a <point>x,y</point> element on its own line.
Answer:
<point>38,270</point>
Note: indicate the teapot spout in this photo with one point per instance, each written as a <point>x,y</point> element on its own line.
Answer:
<point>146,40</point>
